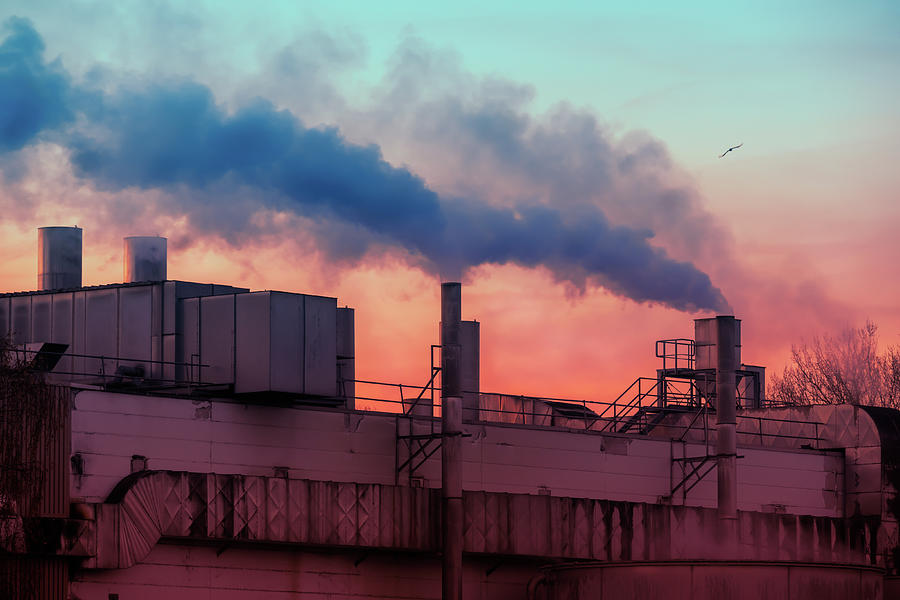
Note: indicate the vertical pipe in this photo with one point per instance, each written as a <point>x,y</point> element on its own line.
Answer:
<point>726,443</point>
<point>451,431</point>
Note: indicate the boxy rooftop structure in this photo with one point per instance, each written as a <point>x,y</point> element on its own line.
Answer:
<point>212,447</point>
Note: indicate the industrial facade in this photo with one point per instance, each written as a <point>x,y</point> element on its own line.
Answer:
<point>211,447</point>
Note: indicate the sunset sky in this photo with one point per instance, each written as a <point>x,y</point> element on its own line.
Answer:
<point>561,158</point>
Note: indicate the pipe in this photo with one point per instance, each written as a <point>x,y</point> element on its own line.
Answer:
<point>59,258</point>
<point>726,419</point>
<point>451,438</point>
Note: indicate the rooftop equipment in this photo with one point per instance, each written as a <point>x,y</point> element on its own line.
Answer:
<point>59,258</point>
<point>145,259</point>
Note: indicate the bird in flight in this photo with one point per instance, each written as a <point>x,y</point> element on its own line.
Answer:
<point>730,149</point>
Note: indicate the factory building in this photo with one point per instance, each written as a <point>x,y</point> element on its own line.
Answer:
<point>209,444</point>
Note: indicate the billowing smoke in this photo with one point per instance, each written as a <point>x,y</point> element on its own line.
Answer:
<point>174,136</point>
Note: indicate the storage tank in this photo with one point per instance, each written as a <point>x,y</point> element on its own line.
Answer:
<point>59,258</point>
<point>145,258</point>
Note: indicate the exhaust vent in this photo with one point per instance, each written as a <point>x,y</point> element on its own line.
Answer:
<point>145,259</point>
<point>59,258</point>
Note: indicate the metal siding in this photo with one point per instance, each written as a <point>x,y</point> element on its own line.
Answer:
<point>217,338</point>
<point>320,345</point>
<point>189,289</point>
<point>287,326</point>
<point>79,364</point>
<point>55,447</point>
<point>346,354</point>
<point>63,328</point>
<point>168,352</point>
<point>168,311</point>
<point>100,329</point>
<point>134,325</point>
<point>21,319</point>
<point>252,342</point>
<point>157,370</point>
<point>190,319</point>
<point>41,318</point>
<point>4,317</point>
<point>219,290</point>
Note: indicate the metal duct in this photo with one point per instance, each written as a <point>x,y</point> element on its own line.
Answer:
<point>451,436</point>
<point>145,259</point>
<point>726,443</point>
<point>59,258</point>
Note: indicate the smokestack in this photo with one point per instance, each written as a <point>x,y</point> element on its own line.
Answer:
<point>145,258</point>
<point>59,258</point>
<point>726,443</point>
<point>451,432</point>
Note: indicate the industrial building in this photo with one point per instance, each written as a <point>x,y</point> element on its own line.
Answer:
<point>210,446</point>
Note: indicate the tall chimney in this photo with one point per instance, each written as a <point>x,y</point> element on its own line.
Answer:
<point>451,437</point>
<point>59,258</point>
<point>145,258</point>
<point>726,418</point>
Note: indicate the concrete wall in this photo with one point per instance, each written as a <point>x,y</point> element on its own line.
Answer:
<point>228,437</point>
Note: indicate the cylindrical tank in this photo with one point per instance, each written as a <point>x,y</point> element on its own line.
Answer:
<point>59,258</point>
<point>145,258</point>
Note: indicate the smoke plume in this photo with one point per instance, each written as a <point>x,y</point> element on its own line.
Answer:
<point>173,136</point>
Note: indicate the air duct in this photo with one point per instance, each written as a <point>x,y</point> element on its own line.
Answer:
<point>145,259</point>
<point>59,258</point>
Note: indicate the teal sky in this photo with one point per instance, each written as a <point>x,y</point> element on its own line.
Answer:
<point>780,76</point>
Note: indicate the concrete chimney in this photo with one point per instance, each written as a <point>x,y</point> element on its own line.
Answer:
<point>59,258</point>
<point>145,259</point>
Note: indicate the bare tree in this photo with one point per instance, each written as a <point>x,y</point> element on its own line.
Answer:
<point>842,369</point>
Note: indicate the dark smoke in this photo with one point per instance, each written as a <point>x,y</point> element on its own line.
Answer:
<point>173,135</point>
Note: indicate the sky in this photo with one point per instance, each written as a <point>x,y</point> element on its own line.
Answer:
<point>561,159</point>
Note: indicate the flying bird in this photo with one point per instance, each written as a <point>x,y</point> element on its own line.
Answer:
<point>730,149</point>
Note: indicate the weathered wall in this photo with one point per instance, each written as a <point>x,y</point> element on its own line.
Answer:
<point>228,437</point>
<point>710,581</point>
<point>209,516</point>
<point>150,506</point>
<point>191,572</point>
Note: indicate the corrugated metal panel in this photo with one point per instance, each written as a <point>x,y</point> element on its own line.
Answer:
<point>190,320</point>
<point>217,338</point>
<point>286,350</point>
<point>168,353</point>
<point>54,457</point>
<point>41,318</point>
<point>21,319</point>
<point>252,342</point>
<point>34,577</point>
<point>346,354</point>
<point>169,324</point>
<point>79,364</point>
<point>63,327</point>
<point>134,326</point>
<point>100,330</point>
<point>320,341</point>
<point>4,317</point>
<point>157,370</point>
